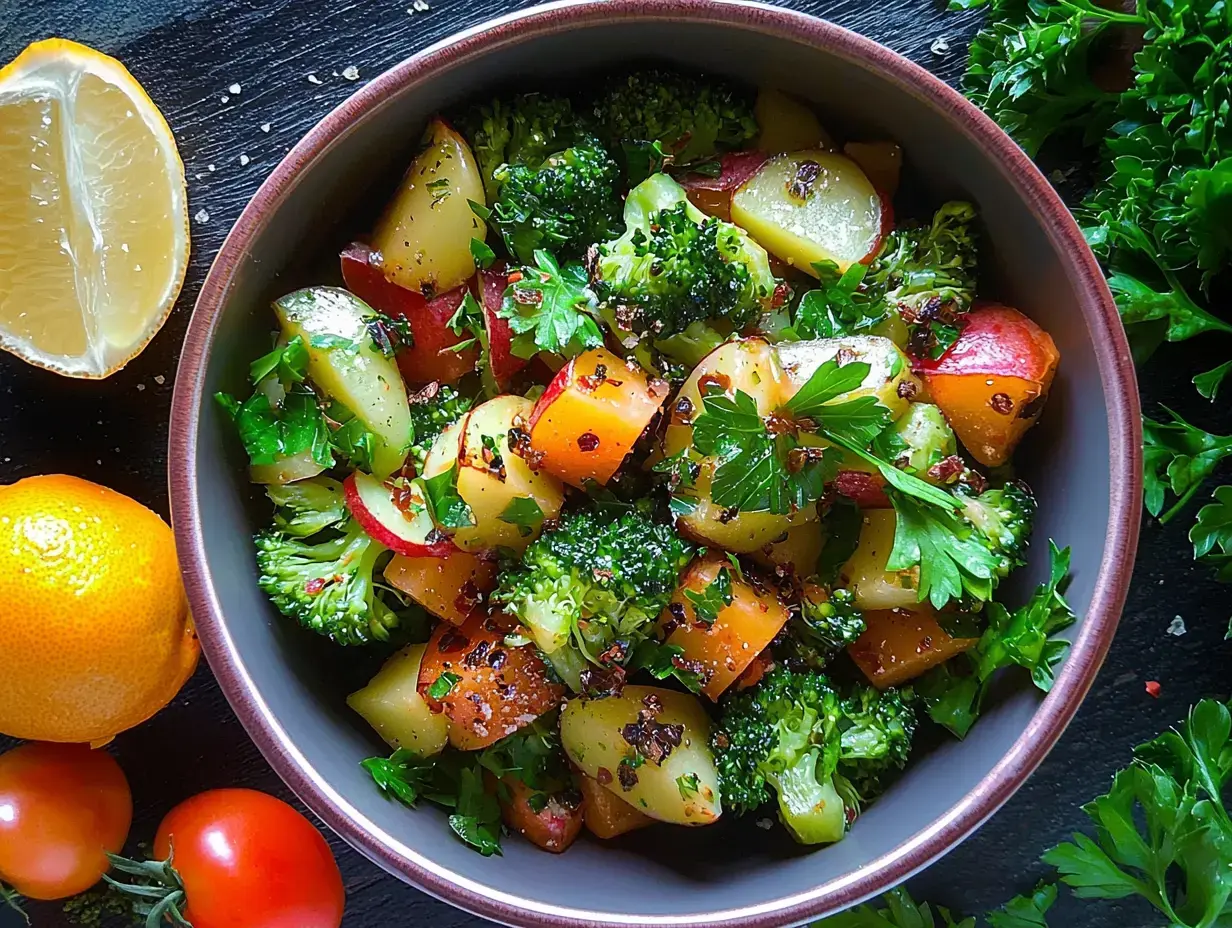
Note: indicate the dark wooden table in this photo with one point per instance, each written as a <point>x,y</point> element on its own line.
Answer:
<point>189,54</point>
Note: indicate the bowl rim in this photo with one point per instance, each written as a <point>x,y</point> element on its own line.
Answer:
<point>1124,434</point>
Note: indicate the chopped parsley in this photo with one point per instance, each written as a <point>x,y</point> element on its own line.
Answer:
<point>716,597</point>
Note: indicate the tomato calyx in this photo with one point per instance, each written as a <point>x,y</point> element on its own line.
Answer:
<point>157,892</point>
<point>10,897</point>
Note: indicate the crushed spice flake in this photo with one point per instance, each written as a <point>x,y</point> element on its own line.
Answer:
<point>1153,688</point>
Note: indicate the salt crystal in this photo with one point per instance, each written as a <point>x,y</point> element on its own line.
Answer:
<point>160,379</point>
<point>351,73</point>
<point>313,79</point>
<point>265,127</point>
<point>421,6</point>
<point>202,216</point>
<point>234,89</point>
<point>940,46</point>
<point>224,99</point>
<point>765,824</point>
<point>1177,627</point>
<point>210,167</point>
<point>244,159</point>
<point>140,387</point>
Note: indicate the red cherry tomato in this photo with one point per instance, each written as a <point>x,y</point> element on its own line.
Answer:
<point>62,807</point>
<point>248,860</point>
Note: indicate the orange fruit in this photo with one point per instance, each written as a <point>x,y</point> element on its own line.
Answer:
<point>95,635</point>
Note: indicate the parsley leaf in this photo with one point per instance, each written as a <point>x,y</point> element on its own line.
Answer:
<point>271,433</point>
<point>443,685</point>
<point>1209,382</point>
<point>477,819</point>
<point>449,510</point>
<point>404,775</point>
<point>716,597</point>
<point>1214,530</point>
<point>1162,831</point>
<point>482,253</point>
<point>523,512</point>
<point>290,361</point>
<point>549,309</point>
<point>688,784</point>
<point>1178,457</point>
<point>837,307</point>
<point>662,661</point>
<point>952,558</point>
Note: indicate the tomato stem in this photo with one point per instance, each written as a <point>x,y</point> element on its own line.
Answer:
<point>157,893</point>
<point>10,896</point>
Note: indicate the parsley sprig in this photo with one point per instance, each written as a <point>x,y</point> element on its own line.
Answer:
<point>549,308</point>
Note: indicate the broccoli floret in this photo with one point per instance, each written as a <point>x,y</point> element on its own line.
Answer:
<point>675,266</point>
<point>433,411</point>
<point>306,507</point>
<point>1003,517</point>
<point>564,204</point>
<point>523,129</point>
<point>327,587</point>
<point>782,737</point>
<point>876,730</point>
<point>826,624</point>
<point>689,117</point>
<point>927,274</point>
<point>591,581</point>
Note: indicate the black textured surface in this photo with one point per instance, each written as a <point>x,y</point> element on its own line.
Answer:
<point>187,53</point>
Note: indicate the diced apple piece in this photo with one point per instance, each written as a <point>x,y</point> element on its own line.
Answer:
<point>491,476</point>
<point>726,646</point>
<point>889,378</point>
<point>787,124</point>
<point>881,162</point>
<point>396,514</point>
<point>347,367</point>
<point>865,573</point>
<point>503,362</point>
<point>553,827</point>
<point>424,238</point>
<point>430,358</point>
<point>810,206</point>
<point>491,689</point>
<point>993,382</point>
<point>451,587</point>
<point>899,645</point>
<point>588,419</point>
<point>749,365</point>
<point>391,704</point>
<point>606,814</point>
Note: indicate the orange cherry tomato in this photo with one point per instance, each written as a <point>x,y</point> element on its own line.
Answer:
<point>62,808</point>
<point>248,860</point>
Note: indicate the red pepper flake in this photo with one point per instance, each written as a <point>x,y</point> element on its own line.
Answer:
<point>515,277</point>
<point>1153,688</point>
<point>588,442</point>
<point>1002,403</point>
<point>315,586</point>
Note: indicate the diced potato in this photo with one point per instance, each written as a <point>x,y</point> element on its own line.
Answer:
<point>787,124</point>
<point>590,416</point>
<point>797,552</point>
<point>424,238</point>
<point>606,814</point>
<point>929,440</point>
<point>287,469</point>
<point>391,704</point>
<point>725,647</point>
<point>682,788</point>
<point>492,689</point>
<point>451,588</point>
<point>881,162</point>
<point>749,365</point>
<point>899,645</point>
<point>865,573</point>
<point>554,827</point>
<point>347,367</point>
<point>889,378</point>
<point>491,476</point>
<point>837,216</point>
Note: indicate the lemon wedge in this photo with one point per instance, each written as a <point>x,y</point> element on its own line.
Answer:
<point>93,211</point>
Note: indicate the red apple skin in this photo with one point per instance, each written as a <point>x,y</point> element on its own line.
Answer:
<point>374,527</point>
<point>867,490</point>
<point>556,386</point>
<point>887,226</point>
<point>1001,341</point>
<point>425,361</point>
<point>492,285</point>
<point>712,195</point>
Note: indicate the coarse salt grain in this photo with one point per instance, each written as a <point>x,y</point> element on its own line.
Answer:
<point>209,167</point>
<point>940,46</point>
<point>244,159</point>
<point>224,99</point>
<point>1177,627</point>
<point>140,387</point>
<point>265,127</point>
<point>350,72</point>
<point>160,379</point>
<point>421,6</point>
<point>234,89</point>
<point>313,79</point>
<point>202,216</point>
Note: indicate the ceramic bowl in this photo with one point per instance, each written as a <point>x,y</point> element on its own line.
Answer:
<point>288,686</point>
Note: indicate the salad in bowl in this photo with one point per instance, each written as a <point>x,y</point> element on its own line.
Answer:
<point>671,467</point>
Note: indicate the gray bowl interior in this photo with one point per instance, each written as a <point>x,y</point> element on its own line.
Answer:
<point>663,871</point>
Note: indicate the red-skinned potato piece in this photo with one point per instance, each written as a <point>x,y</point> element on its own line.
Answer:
<point>899,645</point>
<point>725,647</point>
<point>606,814</point>
<point>451,587</point>
<point>553,828</point>
<point>590,416</point>
<point>499,688</point>
<point>992,384</point>
<point>427,359</point>
<point>492,285</point>
<point>395,513</point>
<point>712,195</point>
